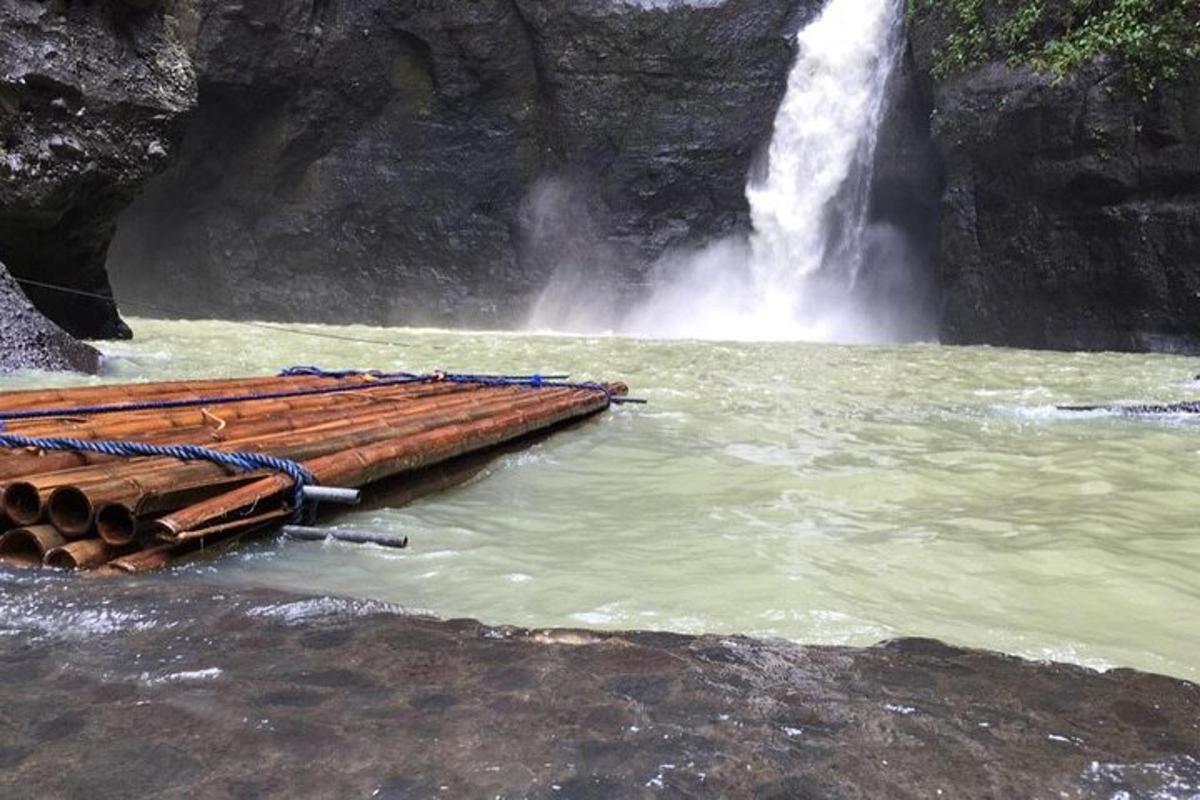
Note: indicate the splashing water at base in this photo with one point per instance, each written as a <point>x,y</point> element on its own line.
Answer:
<point>810,212</point>
<point>794,278</point>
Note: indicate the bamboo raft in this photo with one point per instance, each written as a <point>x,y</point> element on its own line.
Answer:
<point>128,478</point>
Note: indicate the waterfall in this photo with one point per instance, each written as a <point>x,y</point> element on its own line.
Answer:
<point>795,277</point>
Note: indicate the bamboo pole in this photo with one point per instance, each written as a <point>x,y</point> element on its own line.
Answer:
<point>27,547</point>
<point>83,554</point>
<point>388,457</point>
<point>218,537</point>
<point>199,426</point>
<point>159,485</point>
<point>162,390</point>
<point>406,489</point>
<point>146,560</point>
<point>200,417</point>
<point>24,500</point>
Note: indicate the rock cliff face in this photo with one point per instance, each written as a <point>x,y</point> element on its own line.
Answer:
<point>384,161</point>
<point>904,209</point>
<point>1070,217</point>
<point>90,100</point>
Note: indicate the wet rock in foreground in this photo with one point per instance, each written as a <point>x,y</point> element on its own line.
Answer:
<point>171,689</point>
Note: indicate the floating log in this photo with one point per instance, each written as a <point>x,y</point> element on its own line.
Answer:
<point>193,425</point>
<point>138,482</point>
<point>164,390</point>
<point>119,515</point>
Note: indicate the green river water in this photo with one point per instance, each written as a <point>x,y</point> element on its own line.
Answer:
<point>824,494</point>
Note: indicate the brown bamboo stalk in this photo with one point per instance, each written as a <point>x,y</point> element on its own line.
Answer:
<point>27,547</point>
<point>145,560</point>
<point>83,554</point>
<point>118,522</point>
<point>215,538</point>
<point>198,426</point>
<point>361,466</point>
<point>72,506</point>
<point>24,500</point>
<point>264,433</point>
<point>404,489</point>
<point>200,417</point>
<point>161,390</point>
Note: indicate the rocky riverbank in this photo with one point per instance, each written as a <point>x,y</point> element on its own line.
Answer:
<point>175,688</point>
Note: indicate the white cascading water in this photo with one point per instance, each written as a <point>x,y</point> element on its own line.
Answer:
<point>793,280</point>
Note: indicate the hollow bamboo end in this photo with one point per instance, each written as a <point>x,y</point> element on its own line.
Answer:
<point>161,530</point>
<point>22,503</point>
<point>85,554</point>
<point>70,510</point>
<point>19,549</point>
<point>116,524</point>
<point>61,558</point>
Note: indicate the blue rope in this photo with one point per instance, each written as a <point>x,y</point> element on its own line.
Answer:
<point>243,462</point>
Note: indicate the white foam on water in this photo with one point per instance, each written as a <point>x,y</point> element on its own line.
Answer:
<point>33,614</point>
<point>301,610</point>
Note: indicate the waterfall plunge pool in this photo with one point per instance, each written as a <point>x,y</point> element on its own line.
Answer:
<point>818,493</point>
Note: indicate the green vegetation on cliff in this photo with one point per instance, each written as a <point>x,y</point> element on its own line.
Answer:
<point>1150,38</point>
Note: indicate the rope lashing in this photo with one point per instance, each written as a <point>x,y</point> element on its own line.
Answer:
<point>242,462</point>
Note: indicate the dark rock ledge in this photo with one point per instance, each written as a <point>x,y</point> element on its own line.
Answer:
<point>171,689</point>
<point>30,341</point>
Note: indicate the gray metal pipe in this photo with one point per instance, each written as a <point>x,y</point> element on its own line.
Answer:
<point>332,494</point>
